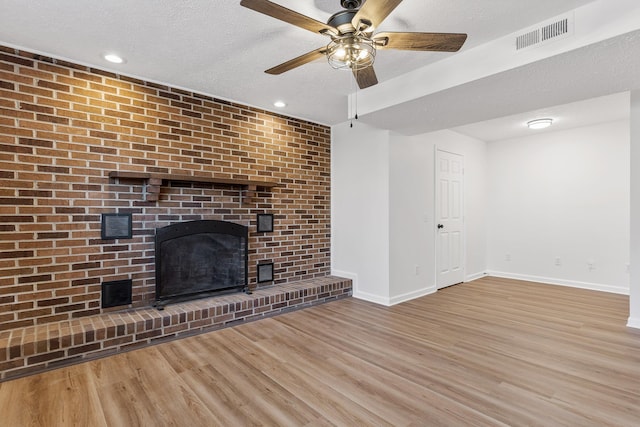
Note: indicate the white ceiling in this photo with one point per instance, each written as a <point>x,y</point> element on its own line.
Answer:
<point>219,48</point>
<point>596,70</point>
<point>592,111</point>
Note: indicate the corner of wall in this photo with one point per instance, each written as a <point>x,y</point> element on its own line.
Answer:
<point>412,295</point>
<point>634,282</point>
<point>633,322</point>
<point>475,276</point>
<point>360,203</point>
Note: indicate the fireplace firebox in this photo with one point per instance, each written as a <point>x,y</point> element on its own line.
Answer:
<point>200,258</point>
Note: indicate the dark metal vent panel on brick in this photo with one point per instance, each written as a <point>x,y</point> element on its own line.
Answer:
<point>117,292</point>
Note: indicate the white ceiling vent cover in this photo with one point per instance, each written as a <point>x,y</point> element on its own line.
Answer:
<point>545,32</point>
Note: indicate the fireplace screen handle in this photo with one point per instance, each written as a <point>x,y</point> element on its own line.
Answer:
<point>440,226</point>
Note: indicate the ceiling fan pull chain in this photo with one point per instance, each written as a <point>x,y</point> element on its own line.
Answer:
<point>356,97</point>
<point>350,107</point>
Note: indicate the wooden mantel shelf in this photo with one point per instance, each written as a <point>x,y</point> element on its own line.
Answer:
<point>154,181</point>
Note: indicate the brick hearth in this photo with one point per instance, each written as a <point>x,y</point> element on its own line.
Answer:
<point>25,351</point>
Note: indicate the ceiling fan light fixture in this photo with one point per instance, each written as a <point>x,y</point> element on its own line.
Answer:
<point>539,123</point>
<point>340,53</point>
<point>351,52</point>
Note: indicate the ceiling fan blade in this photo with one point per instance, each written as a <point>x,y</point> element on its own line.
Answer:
<point>373,12</point>
<point>365,77</point>
<point>439,42</point>
<point>296,62</point>
<point>287,15</point>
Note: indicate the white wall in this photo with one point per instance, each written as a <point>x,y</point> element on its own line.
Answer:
<point>411,218</point>
<point>412,192</point>
<point>561,195</point>
<point>383,209</point>
<point>634,303</point>
<point>360,209</point>
<point>412,210</point>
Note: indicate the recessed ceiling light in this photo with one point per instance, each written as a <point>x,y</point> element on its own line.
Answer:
<point>540,123</point>
<point>279,104</point>
<point>111,57</point>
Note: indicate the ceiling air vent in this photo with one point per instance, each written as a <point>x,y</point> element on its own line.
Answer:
<point>528,39</point>
<point>555,30</point>
<point>545,32</point>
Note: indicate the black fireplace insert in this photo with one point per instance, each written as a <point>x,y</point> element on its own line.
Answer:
<point>200,258</point>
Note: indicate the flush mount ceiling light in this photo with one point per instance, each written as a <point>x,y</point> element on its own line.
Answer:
<point>279,104</point>
<point>539,123</point>
<point>112,57</point>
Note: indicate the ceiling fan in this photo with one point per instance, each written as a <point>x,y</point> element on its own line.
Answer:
<point>353,43</point>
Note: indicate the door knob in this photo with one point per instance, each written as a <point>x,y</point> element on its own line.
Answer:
<point>440,226</point>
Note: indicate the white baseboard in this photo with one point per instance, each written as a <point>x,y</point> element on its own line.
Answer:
<point>357,293</point>
<point>475,276</point>
<point>377,299</point>
<point>561,282</point>
<point>346,275</point>
<point>412,295</point>
<point>633,322</point>
<point>388,302</point>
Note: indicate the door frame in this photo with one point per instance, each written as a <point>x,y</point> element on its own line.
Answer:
<point>463,256</point>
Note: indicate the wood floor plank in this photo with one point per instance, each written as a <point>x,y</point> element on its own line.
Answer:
<point>493,352</point>
<point>451,376</point>
<point>244,382</point>
<point>65,397</point>
<point>157,389</point>
<point>321,397</point>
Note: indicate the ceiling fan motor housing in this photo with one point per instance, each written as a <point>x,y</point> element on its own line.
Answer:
<point>350,4</point>
<point>342,21</point>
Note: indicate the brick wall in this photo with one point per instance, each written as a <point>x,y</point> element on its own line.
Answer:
<point>64,127</point>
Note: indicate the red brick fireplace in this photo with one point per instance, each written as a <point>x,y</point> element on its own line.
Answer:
<point>77,142</point>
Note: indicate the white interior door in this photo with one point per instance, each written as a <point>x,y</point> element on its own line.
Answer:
<point>449,219</point>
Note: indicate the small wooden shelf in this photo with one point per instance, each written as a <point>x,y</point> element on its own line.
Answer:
<point>153,182</point>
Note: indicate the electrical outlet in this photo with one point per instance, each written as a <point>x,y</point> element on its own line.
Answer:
<point>507,257</point>
<point>558,261</point>
<point>417,270</point>
<point>591,264</point>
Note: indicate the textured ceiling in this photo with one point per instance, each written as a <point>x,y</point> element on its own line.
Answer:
<point>596,70</point>
<point>219,48</point>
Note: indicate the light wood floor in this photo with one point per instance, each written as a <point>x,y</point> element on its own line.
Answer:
<point>491,352</point>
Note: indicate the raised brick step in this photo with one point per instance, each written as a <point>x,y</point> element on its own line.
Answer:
<point>34,349</point>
